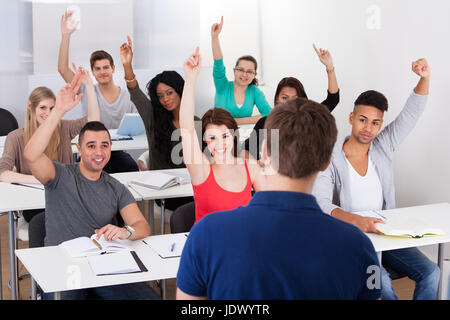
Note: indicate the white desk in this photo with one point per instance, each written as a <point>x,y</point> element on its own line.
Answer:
<point>16,198</point>
<point>436,215</point>
<point>66,273</point>
<point>148,194</point>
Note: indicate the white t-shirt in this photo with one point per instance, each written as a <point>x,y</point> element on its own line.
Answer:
<point>366,191</point>
<point>111,114</point>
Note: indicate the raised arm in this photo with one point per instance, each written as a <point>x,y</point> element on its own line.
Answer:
<point>93,109</point>
<point>196,162</point>
<point>41,166</point>
<point>326,59</point>
<point>215,42</point>
<point>397,131</point>
<point>67,28</point>
<point>422,69</point>
<point>126,55</point>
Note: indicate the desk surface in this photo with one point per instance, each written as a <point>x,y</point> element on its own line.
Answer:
<point>139,142</point>
<point>55,271</point>
<point>15,197</point>
<point>436,215</point>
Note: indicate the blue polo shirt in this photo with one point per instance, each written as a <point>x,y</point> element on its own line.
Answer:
<point>280,246</point>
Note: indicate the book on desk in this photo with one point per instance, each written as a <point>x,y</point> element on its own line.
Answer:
<point>104,257</point>
<point>397,226</point>
<point>158,180</point>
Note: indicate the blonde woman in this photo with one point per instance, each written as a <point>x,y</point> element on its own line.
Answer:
<point>39,105</point>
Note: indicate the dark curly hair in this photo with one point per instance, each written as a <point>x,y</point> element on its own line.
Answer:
<point>162,117</point>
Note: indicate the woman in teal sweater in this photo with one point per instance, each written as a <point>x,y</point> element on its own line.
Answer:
<point>238,96</point>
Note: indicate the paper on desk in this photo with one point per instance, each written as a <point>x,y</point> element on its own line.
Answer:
<point>114,263</point>
<point>167,246</point>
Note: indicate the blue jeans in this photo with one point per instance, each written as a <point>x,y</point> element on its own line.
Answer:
<point>416,266</point>
<point>132,291</point>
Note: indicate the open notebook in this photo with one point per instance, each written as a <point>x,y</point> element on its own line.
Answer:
<point>158,180</point>
<point>84,246</point>
<point>398,226</point>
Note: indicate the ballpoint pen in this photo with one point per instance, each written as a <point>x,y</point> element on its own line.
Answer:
<point>172,247</point>
<point>378,214</point>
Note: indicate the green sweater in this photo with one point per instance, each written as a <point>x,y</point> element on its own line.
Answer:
<point>225,95</point>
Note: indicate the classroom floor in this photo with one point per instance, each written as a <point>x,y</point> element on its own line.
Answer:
<point>403,287</point>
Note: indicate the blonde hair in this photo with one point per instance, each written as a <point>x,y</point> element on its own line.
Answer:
<point>36,96</point>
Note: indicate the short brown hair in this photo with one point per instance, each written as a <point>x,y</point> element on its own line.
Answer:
<point>307,134</point>
<point>219,116</point>
<point>100,55</point>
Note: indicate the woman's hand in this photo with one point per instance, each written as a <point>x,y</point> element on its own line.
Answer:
<point>325,58</point>
<point>126,52</point>
<point>216,28</point>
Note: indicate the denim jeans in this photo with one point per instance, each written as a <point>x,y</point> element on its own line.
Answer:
<point>417,267</point>
<point>132,291</point>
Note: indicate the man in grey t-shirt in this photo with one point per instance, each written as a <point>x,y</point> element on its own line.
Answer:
<point>81,199</point>
<point>113,101</point>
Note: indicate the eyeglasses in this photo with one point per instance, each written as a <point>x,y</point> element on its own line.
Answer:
<point>247,72</point>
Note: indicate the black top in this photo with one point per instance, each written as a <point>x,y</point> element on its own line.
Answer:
<point>331,102</point>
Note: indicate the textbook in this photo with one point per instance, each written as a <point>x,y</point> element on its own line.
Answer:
<point>158,180</point>
<point>131,125</point>
<point>84,246</point>
<point>397,226</point>
<point>116,263</point>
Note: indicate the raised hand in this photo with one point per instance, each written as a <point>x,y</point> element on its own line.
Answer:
<point>193,64</point>
<point>126,52</point>
<point>67,97</point>
<point>85,76</point>
<point>67,27</point>
<point>421,68</point>
<point>216,28</point>
<point>324,57</point>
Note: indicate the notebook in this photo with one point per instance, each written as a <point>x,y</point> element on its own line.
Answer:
<point>398,226</point>
<point>116,263</point>
<point>167,247</point>
<point>84,246</point>
<point>158,180</point>
<point>131,125</point>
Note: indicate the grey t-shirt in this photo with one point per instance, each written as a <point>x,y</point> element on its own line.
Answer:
<point>76,206</point>
<point>110,113</point>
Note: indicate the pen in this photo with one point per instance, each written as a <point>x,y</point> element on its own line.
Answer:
<point>172,247</point>
<point>26,185</point>
<point>97,244</point>
<point>378,214</point>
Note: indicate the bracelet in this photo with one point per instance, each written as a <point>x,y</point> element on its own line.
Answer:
<point>330,71</point>
<point>128,81</point>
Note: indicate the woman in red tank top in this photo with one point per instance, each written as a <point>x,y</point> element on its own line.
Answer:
<point>221,181</point>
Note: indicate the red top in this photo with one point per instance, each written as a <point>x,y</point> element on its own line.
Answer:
<point>210,197</point>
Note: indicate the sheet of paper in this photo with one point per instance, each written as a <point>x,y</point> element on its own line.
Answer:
<point>113,263</point>
<point>167,247</point>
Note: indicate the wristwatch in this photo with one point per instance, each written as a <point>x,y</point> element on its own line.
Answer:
<point>131,230</point>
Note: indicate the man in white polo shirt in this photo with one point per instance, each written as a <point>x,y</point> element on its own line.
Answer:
<point>360,178</point>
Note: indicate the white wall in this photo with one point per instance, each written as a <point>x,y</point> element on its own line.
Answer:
<point>365,58</point>
<point>378,59</point>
